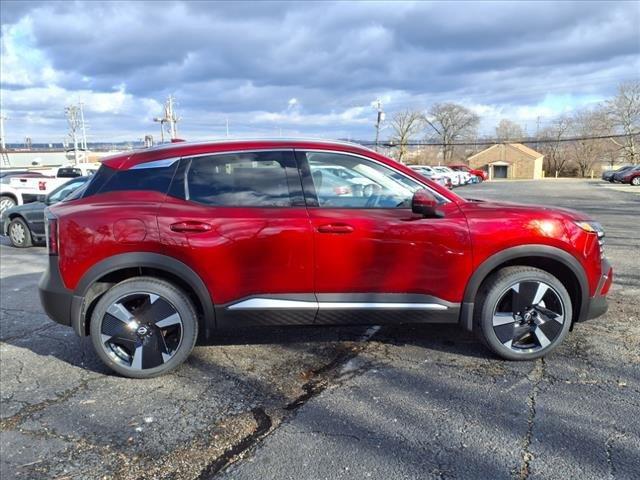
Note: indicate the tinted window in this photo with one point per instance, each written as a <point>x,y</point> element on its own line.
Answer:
<point>244,179</point>
<point>65,190</point>
<point>347,181</point>
<point>69,172</point>
<point>110,180</point>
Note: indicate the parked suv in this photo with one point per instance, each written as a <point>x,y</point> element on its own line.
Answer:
<point>167,245</point>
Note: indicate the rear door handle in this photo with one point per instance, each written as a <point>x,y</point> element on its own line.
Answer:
<point>335,228</point>
<point>190,227</point>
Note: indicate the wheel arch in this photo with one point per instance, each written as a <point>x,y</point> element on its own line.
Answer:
<point>557,262</point>
<point>102,276</point>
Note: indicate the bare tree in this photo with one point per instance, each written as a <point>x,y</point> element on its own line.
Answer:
<point>451,122</point>
<point>508,130</point>
<point>587,152</point>
<point>624,113</point>
<point>555,150</point>
<point>405,125</point>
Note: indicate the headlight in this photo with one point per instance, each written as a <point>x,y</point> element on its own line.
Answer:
<point>593,227</point>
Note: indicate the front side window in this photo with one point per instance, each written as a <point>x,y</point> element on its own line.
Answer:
<point>347,181</point>
<point>243,179</point>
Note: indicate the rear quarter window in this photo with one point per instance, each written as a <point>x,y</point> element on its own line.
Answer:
<point>146,179</point>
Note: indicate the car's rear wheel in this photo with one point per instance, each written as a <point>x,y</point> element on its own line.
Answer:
<point>635,181</point>
<point>144,327</point>
<point>6,203</point>
<point>523,313</point>
<point>19,233</point>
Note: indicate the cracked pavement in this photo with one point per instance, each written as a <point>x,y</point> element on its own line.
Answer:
<point>422,401</point>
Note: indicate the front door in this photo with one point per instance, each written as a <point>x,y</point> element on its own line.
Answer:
<point>375,261</point>
<point>240,221</point>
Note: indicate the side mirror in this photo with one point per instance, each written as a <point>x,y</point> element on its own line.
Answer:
<point>424,203</point>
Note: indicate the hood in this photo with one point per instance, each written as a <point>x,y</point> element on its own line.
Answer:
<point>482,208</point>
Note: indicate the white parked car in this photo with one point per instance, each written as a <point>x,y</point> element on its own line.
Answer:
<point>431,174</point>
<point>26,188</point>
<point>456,178</point>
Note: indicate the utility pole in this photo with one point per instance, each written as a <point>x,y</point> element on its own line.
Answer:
<point>169,118</point>
<point>2,141</point>
<point>379,120</point>
<point>84,131</point>
<point>73,119</point>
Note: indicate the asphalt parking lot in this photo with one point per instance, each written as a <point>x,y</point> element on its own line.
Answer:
<point>397,402</point>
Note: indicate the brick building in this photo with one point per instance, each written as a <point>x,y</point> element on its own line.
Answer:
<point>509,161</point>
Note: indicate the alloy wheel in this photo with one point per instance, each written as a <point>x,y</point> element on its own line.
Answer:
<point>635,181</point>
<point>141,331</point>
<point>17,233</point>
<point>528,317</point>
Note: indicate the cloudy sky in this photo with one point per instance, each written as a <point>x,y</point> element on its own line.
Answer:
<point>304,68</point>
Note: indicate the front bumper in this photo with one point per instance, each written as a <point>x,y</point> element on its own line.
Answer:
<point>58,302</point>
<point>597,305</point>
<point>4,224</point>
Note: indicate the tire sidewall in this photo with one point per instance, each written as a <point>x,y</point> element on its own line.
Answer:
<point>500,284</point>
<point>27,233</point>
<point>167,291</point>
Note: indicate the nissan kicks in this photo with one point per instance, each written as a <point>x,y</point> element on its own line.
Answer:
<point>165,246</point>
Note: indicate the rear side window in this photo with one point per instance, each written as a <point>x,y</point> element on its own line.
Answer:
<point>147,179</point>
<point>244,179</point>
<point>69,172</point>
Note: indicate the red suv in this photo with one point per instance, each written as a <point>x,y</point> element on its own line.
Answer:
<point>480,174</point>
<point>165,246</point>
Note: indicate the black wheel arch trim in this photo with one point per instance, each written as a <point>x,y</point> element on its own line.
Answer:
<point>149,260</point>
<point>514,253</point>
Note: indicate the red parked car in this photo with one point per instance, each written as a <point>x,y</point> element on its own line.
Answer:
<point>481,174</point>
<point>165,246</point>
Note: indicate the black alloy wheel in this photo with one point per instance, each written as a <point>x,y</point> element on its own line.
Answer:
<point>144,327</point>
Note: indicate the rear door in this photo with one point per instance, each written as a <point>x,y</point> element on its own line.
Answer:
<point>239,220</point>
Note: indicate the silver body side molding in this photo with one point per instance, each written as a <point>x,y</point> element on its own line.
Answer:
<point>274,303</point>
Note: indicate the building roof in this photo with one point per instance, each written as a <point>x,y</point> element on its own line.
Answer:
<point>517,146</point>
<point>524,149</point>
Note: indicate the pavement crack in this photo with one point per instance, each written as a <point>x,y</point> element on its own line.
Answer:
<point>17,418</point>
<point>263,425</point>
<point>608,450</point>
<point>29,333</point>
<point>536,376</point>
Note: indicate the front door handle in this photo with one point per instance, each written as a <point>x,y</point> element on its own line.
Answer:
<point>335,228</point>
<point>190,227</point>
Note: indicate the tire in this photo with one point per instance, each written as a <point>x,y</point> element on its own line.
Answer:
<point>6,203</point>
<point>522,313</point>
<point>126,332</point>
<point>635,181</point>
<point>19,233</point>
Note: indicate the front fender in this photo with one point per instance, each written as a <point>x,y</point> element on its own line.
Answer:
<point>522,252</point>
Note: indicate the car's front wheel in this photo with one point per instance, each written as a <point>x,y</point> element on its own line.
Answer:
<point>144,327</point>
<point>523,313</point>
<point>19,233</point>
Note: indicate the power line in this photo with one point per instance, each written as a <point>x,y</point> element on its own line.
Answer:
<point>494,142</point>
